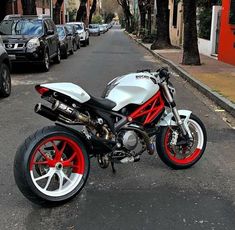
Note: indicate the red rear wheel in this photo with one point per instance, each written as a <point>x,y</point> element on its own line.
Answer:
<point>56,166</point>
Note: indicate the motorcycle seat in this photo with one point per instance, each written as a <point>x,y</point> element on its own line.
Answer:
<point>102,103</point>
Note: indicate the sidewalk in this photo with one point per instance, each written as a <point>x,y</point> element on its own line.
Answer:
<point>213,78</point>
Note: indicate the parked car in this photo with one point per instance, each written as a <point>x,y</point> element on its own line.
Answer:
<point>82,31</point>
<point>76,39</point>
<point>110,25</point>
<point>5,78</point>
<point>106,26</point>
<point>66,40</point>
<point>102,29</point>
<point>94,29</point>
<point>31,39</point>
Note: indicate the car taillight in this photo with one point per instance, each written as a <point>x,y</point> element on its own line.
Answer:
<point>41,90</point>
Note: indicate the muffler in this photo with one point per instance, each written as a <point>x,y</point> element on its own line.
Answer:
<point>46,112</point>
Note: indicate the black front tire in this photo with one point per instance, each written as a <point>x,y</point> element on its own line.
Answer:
<point>22,167</point>
<point>46,62</point>
<point>168,156</point>
<point>5,81</point>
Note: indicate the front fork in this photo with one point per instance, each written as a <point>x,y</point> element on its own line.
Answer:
<point>183,125</point>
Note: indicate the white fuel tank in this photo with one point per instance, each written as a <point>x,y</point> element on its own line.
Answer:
<point>134,88</point>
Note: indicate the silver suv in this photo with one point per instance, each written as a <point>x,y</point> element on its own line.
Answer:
<point>82,31</point>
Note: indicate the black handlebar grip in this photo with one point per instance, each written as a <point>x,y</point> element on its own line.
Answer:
<point>164,73</point>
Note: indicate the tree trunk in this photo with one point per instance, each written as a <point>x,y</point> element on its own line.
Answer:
<point>57,12</point>
<point>92,11</point>
<point>142,11</point>
<point>162,40</point>
<point>81,13</point>
<point>3,9</point>
<point>29,7</point>
<point>149,24</point>
<point>190,47</point>
<point>127,15</point>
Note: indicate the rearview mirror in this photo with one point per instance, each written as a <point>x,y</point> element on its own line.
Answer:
<point>50,32</point>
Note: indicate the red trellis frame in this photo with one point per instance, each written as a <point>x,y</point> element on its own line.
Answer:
<point>150,108</point>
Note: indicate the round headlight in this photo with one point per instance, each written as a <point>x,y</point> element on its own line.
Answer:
<point>33,43</point>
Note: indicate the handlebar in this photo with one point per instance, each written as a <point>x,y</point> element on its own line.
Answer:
<point>163,73</point>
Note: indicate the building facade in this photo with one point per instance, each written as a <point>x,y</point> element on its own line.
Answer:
<point>227,33</point>
<point>42,7</point>
<point>176,22</point>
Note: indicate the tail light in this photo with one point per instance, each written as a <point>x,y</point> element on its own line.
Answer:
<point>41,90</point>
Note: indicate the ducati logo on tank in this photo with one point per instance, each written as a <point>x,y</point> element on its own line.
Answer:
<point>139,77</point>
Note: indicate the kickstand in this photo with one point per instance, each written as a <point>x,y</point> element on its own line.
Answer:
<point>113,168</point>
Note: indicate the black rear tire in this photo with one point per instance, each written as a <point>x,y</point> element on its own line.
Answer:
<point>25,155</point>
<point>5,81</point>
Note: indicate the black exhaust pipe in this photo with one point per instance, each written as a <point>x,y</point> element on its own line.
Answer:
<point>46,112</point>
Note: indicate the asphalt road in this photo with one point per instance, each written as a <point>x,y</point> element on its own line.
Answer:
<point>144,195</point>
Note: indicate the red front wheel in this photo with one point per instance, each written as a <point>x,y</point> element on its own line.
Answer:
<point>177,153</point>
<point>51,166</point>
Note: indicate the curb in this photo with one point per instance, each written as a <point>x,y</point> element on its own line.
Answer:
<point>218,99</point>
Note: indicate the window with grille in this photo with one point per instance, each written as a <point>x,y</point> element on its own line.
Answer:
<point>232,13</point>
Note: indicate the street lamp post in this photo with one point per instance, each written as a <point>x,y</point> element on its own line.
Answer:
<point>51,9</point>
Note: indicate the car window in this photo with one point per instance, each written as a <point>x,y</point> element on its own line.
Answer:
<point>21,27</point>
<point>79,27</point>
<point>93,26</point>
<point>60,31</point>
<point>66,30</point>
<point>69,28</point>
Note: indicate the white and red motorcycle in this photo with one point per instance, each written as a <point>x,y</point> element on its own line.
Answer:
<point>136,113</point>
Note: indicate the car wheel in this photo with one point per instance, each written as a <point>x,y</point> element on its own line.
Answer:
<point>65,53</point>
<point>5,81</point>
<point>79,45</point>
<point>71,51</point>
<point>46,62</point>
<point>75,48</point>
<point>57,58</point>
<point>88,41</point>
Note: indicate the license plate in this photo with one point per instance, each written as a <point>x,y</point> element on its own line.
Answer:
<point>12,57</point>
